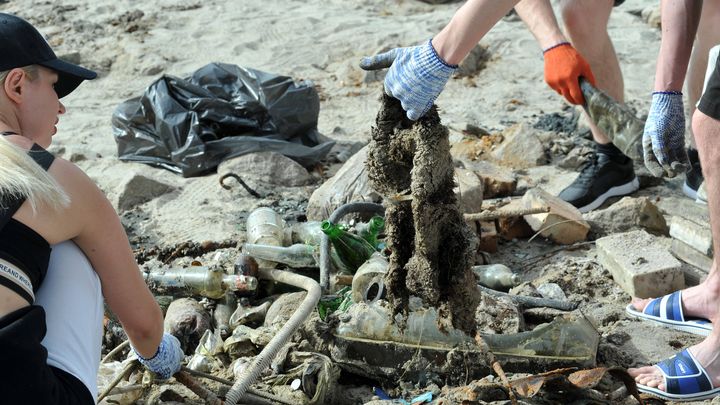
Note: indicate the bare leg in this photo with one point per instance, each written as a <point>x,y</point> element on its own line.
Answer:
<point>586,26</point>
<point>707,37</point>
<point>707,134</point>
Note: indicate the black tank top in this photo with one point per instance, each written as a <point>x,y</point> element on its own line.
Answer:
<point>24,254</point>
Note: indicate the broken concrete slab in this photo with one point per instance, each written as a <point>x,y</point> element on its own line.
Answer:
<point>563,224</point>
<point>499,181</point>
<point>269,167</point>
<point>694,234</point>
<point>488,237</point>
<point>639,264</point>
<point>521,148</point>
<point>625,215</point>
<point>691,256</point>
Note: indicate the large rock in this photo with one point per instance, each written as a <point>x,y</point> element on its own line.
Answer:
<point>498,181</point>
<point>268,167</point>
<point>136,189</point>
<point>349,184</point>
<point>627,214</point>
<point>521,148</point>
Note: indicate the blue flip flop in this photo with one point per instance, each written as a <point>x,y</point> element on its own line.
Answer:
<point>667,311</point>
<point>685,380</point>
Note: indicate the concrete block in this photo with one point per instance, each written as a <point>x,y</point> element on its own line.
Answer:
<point>639,265</point>
<point>564,224</point>
<point>695,235</point>
<point>691,256</point>
<point>469,190</point>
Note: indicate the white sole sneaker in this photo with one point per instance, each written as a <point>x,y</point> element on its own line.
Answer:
<point>624,189</point>
<point>688,191</point>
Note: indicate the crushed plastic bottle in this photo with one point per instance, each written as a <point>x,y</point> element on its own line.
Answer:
<point>496,276</point>
<point>368,284</point>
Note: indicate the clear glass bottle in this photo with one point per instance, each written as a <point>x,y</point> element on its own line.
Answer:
<point>265,227</point>
<point>352,250</point>
<point>211,282</point>
<point>297,255</point>
<point>496,276</point>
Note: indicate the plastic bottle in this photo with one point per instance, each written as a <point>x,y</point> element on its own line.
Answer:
<point>265,227</point>
<point>352,249</point>
<point>368,284</point>
<point>371,230</point>
<point>297,255</point>
<point>209,282</point>
<point>496,276</point>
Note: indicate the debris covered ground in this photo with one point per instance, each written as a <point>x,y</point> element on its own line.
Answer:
<point>509,136</point>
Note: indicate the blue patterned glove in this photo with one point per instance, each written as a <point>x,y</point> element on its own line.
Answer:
<point>168,358</point>
<point>664,135</point>
<point>416,77</point>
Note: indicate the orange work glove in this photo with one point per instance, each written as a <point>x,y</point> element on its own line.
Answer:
<point>563,68</point>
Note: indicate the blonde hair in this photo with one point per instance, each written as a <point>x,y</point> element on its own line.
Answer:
<point>21,177</point>
<point>31,71</point>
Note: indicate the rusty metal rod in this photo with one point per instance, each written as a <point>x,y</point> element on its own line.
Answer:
<point>205,394</point>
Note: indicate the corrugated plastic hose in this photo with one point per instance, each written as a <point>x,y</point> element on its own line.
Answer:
<point>337,215</point>
<point>262,361</point>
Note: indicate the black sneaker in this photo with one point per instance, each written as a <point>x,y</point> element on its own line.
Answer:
<point>600,179</point>
<point>694,176</point>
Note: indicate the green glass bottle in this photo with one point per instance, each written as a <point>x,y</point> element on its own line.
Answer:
<point>372,229</point>
<point>352,249</point>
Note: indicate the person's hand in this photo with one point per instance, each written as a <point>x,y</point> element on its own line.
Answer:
<point>664,136</point>
<point>416,77</point>
<point>168,358</point>
<point>564,67</point>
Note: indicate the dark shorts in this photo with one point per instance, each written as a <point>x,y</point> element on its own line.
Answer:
<point>710,101</point>
<point>25,376</point>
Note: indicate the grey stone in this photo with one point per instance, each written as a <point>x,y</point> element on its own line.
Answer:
<point>469,190</point>
<point>498,181</point>
<point>520,148</point>
<point>639,264</point>
<point>268,167</point>
<point>349,184</point>
<point>137,189</point>
<point>552,291</point>
<point>625,215</point>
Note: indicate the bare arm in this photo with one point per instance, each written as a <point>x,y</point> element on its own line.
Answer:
<point>469,24</point>
<point>540,19</point>
<point>680,20</point>
<point>92,223</point>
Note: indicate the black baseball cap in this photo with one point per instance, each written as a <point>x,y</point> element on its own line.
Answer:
<point>22,45</point>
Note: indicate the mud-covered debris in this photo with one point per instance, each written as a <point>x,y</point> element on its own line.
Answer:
<point>187,320</point>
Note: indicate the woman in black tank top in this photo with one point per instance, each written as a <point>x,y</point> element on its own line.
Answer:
<point>39,208</point>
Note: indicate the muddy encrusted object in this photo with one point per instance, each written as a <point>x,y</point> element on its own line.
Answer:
<point>623,128</point>
<point>432,247</point>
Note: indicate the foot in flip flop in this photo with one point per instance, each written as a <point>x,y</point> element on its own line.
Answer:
<point>681,377</point>
<point>668,311</point>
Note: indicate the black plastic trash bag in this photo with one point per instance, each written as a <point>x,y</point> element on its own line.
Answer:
<point>191,125</point>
